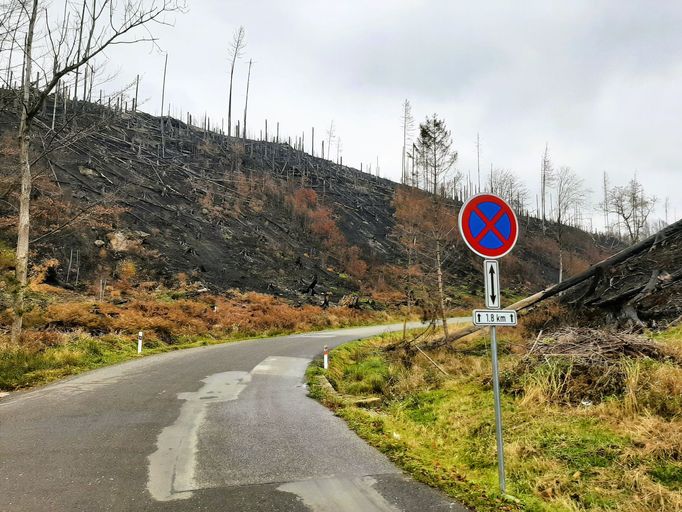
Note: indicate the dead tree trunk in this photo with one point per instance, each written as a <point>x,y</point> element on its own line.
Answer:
<point>246,100</point>
<point>25,193</point>
<point>441,291</point>
<point>595,272</point>
<point>163,99</point>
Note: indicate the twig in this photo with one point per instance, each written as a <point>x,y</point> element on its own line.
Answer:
<point>432,361</point>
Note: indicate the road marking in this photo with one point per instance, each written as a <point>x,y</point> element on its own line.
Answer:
<point>282,366</point>
<point>339,495</point>
<point>172,465</point>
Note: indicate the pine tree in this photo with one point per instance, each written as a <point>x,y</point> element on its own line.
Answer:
<point>435,147</point>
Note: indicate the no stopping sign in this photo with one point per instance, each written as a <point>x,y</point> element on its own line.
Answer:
<point>488,225</point>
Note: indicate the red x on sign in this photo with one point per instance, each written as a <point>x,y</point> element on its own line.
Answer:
<point>488,225</point>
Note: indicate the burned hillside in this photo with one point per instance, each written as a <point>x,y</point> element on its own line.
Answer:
<point>120,192</point>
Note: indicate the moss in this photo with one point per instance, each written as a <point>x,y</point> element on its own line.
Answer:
<point>668,474</point>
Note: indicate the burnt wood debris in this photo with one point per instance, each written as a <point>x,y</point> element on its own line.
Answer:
<point>184,188</point>
<point>640,285</point>
<point>217,208</point>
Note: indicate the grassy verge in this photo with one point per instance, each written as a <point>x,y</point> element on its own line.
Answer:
<point>623,453</point>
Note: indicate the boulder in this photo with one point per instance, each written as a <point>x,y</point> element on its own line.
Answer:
<point>126,240</point>
<point>86,171</point>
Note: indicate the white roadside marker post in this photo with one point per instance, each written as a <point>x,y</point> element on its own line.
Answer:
<point>139,342</point>
<point>326,357</point>
<point>489,227</point>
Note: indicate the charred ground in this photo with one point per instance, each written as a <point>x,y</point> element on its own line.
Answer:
<point>192,204</point>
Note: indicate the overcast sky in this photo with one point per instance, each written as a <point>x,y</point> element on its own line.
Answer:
<point>601,82</point>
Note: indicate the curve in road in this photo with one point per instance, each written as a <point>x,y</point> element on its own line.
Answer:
<point>219,428</point>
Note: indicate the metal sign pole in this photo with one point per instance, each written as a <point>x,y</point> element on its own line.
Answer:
<point>490,228</point>
<point>498,410</point>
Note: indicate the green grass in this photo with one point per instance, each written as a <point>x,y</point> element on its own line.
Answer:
<point>422,408</point>
<point>367,376</point>
<point>559,458</point>
<point>24,367</point>
<point>668,474</point>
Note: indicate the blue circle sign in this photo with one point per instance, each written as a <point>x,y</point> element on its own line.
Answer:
<point>488,225</point>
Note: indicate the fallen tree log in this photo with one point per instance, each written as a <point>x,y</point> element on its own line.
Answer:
<point>596,272</point>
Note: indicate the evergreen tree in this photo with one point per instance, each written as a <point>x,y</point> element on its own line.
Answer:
<point>435,147</point>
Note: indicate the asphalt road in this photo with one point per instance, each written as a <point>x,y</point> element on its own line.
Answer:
<point>219,428</point>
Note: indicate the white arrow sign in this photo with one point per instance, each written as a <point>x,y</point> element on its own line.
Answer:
<point>501,317</point>
<point>491,277</point>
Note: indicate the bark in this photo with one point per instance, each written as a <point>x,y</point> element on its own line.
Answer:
<point>441,292</point>
<point>163,99</point>
<point>25,194</point>
<point>23,232</point>
<point>229,102</point>
<point>561,263</point>
<point>638,293</point>
<point>246,100</point>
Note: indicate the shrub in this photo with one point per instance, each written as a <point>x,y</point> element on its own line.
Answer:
<point>354,265</point>
<point>127,270</point>
<point>304,200</point>
<point>73,315</point>
<point>322,224</point>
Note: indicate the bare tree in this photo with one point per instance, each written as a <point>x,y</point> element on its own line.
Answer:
<point>546,181</point>
<point>632,207</point>
<point>509,187</point>
<point>407,125</point>
<point>453,185</point>
<point>235,51</point>
<point>605,200</point>
<point>435,147</point>
<point>61,48</point>
<point>666,209</point>
<point>478,160</point>
<point>426,227</point>
<point>569,194</point>
<point>246,100</point>
<point>163,100</point>
<point>331,134</point>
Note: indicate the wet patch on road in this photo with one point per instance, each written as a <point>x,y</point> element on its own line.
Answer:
<point>339,495</point>
<point>172,465</point>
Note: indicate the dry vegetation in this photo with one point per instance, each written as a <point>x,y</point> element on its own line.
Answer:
<point>320,222</point>
<point>67,333</point>
<point>592,419</point>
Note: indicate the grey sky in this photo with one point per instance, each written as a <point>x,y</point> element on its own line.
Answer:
<point>601,82</point>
